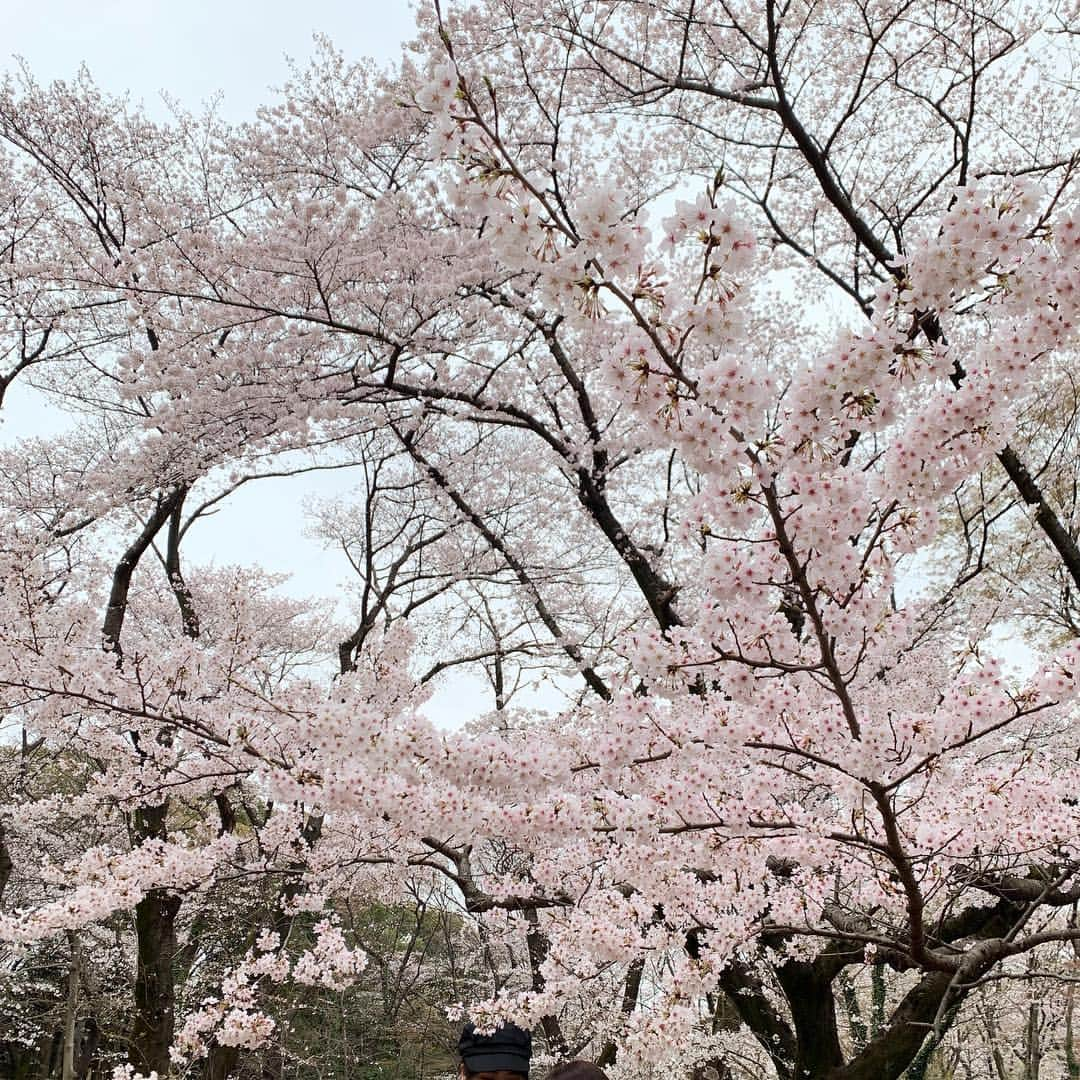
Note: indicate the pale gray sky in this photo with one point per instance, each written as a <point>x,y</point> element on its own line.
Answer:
<point>192,49</point>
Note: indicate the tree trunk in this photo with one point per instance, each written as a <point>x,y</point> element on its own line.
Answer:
<point>155,994</point>
<point>537,946</point>
<point>6,865</point>
<point>155,991</point>
<point>155,914</point>
<point>86,1044</point>
<point>1032,1048</point>
<point>1072,1062</point>
<point>221,1062</point>
<point>813,1015</point>
<point>67,1069</point>
<point>51,1051</point>
<point>631,991</point>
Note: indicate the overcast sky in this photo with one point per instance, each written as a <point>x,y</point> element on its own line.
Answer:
<point>193,49</point>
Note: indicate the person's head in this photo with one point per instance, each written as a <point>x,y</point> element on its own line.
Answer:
<point>502,1055</point>
<point>577,1070</point>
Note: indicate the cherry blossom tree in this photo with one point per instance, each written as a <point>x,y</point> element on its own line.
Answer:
<point>667,341</point>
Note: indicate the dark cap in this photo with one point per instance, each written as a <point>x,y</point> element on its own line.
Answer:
<point>508,1047</point>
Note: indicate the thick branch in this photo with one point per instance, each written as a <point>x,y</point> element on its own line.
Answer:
<point>886,1056</point>
<point>755,1010</point>
<point>116,610</point>
<point>1045,516</point>
<point>184,600</point>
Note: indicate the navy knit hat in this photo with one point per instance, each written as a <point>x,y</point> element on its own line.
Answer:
<point>508,1047</point>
